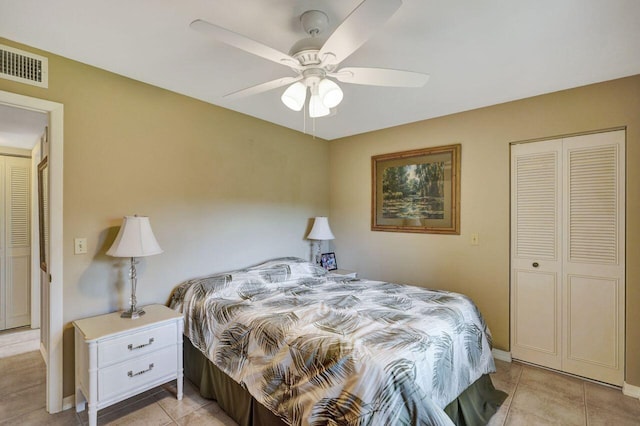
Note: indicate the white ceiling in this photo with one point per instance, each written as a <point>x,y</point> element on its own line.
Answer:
<point>478,53</point>
<point>20,128</point>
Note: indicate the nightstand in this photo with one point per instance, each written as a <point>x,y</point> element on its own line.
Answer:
<point>117,358</point>
<point>345,272</point>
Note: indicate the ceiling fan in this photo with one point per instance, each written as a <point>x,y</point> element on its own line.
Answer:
<point>315,61</point>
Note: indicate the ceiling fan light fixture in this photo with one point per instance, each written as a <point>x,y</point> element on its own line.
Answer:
<point>330,93</point>
<point>317,57</point>
<point>317,108</point>
<point>295,96</point>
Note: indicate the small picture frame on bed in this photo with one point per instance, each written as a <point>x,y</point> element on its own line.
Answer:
<point>328,261</point>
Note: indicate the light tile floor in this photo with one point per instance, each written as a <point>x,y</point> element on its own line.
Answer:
<point>541,397</point>
<point>536,397</point>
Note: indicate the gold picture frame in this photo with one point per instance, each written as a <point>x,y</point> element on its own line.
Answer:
<point>417,191</point>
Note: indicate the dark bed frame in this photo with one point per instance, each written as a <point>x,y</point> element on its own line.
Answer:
<point>474,406</point>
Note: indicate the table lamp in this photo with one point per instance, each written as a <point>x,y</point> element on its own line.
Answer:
<point>135,239</point>
<point>319,232</point>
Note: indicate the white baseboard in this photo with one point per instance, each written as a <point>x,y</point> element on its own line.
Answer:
<point>501,355</point>
<point>630,390</point>
<point>68,402</point>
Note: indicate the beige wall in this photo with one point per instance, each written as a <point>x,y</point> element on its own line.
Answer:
<point>450,262</point>
<point>222,189</point>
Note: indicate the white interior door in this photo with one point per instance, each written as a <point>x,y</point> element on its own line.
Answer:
<point>536,261</point>
<point>17,233</point>
<point>567,277</point>
<point>43,232</point>
<point>594,245</point>
<point>15,242</point>
<point>3,252</point>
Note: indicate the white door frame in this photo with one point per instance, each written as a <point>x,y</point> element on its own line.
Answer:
<point>55,112</point>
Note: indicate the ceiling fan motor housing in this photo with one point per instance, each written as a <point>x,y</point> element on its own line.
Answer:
<point>306,50</point>
<point>314,22</point>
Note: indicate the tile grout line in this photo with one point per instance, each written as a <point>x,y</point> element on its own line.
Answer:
<point>174,421</point>
<point>515,389</point>
<point>584,398</point>
<point>506,417</point>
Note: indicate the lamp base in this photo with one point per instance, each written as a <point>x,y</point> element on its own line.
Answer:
<point>133,313</point>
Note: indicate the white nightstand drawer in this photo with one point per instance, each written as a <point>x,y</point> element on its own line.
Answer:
<point>134,373</point>
<point>136,344</point>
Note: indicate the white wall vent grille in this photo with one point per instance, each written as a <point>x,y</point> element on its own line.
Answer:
<point>24,67</point>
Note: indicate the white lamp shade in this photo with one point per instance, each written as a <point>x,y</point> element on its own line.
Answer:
<point>320,230</point>
<point>294,96</point>
<point>317,108</point>
<point>135,239</point>
<point>330,93</point>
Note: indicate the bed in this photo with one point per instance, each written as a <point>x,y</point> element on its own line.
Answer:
<point>285,342</point>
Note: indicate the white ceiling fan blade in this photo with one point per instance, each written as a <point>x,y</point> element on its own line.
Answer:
<point>262,87</point>
<point>357,28</point>
<point>380,77</point>
<point>244,43</point>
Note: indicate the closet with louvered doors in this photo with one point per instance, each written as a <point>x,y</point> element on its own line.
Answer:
<point>568,254</point>
<point>15,242</point>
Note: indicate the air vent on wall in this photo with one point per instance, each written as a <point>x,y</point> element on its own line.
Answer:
<point>25,67</point>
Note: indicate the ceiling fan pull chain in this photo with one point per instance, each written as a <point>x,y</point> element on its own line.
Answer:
<point>313,126</point>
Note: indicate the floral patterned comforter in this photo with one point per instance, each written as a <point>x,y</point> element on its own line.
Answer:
<point>318,348</point>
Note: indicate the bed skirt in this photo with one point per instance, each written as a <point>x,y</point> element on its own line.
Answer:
<point>474,406</point>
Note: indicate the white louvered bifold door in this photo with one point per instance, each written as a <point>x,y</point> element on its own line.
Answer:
<point>567,254</point>
<point>3,251</point>
<point>594,243</point>
<point>536,261</point>
<point>17,241</point>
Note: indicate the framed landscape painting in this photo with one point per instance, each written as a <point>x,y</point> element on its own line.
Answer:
<point>417,191</point>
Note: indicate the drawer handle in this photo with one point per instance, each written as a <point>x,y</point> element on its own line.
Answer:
<point>131,347</point>
<point>132,374</point>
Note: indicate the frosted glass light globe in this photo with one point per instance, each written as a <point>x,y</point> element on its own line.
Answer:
<point>316,108</point>
<point>294,96</point>
<point>330,93</point>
